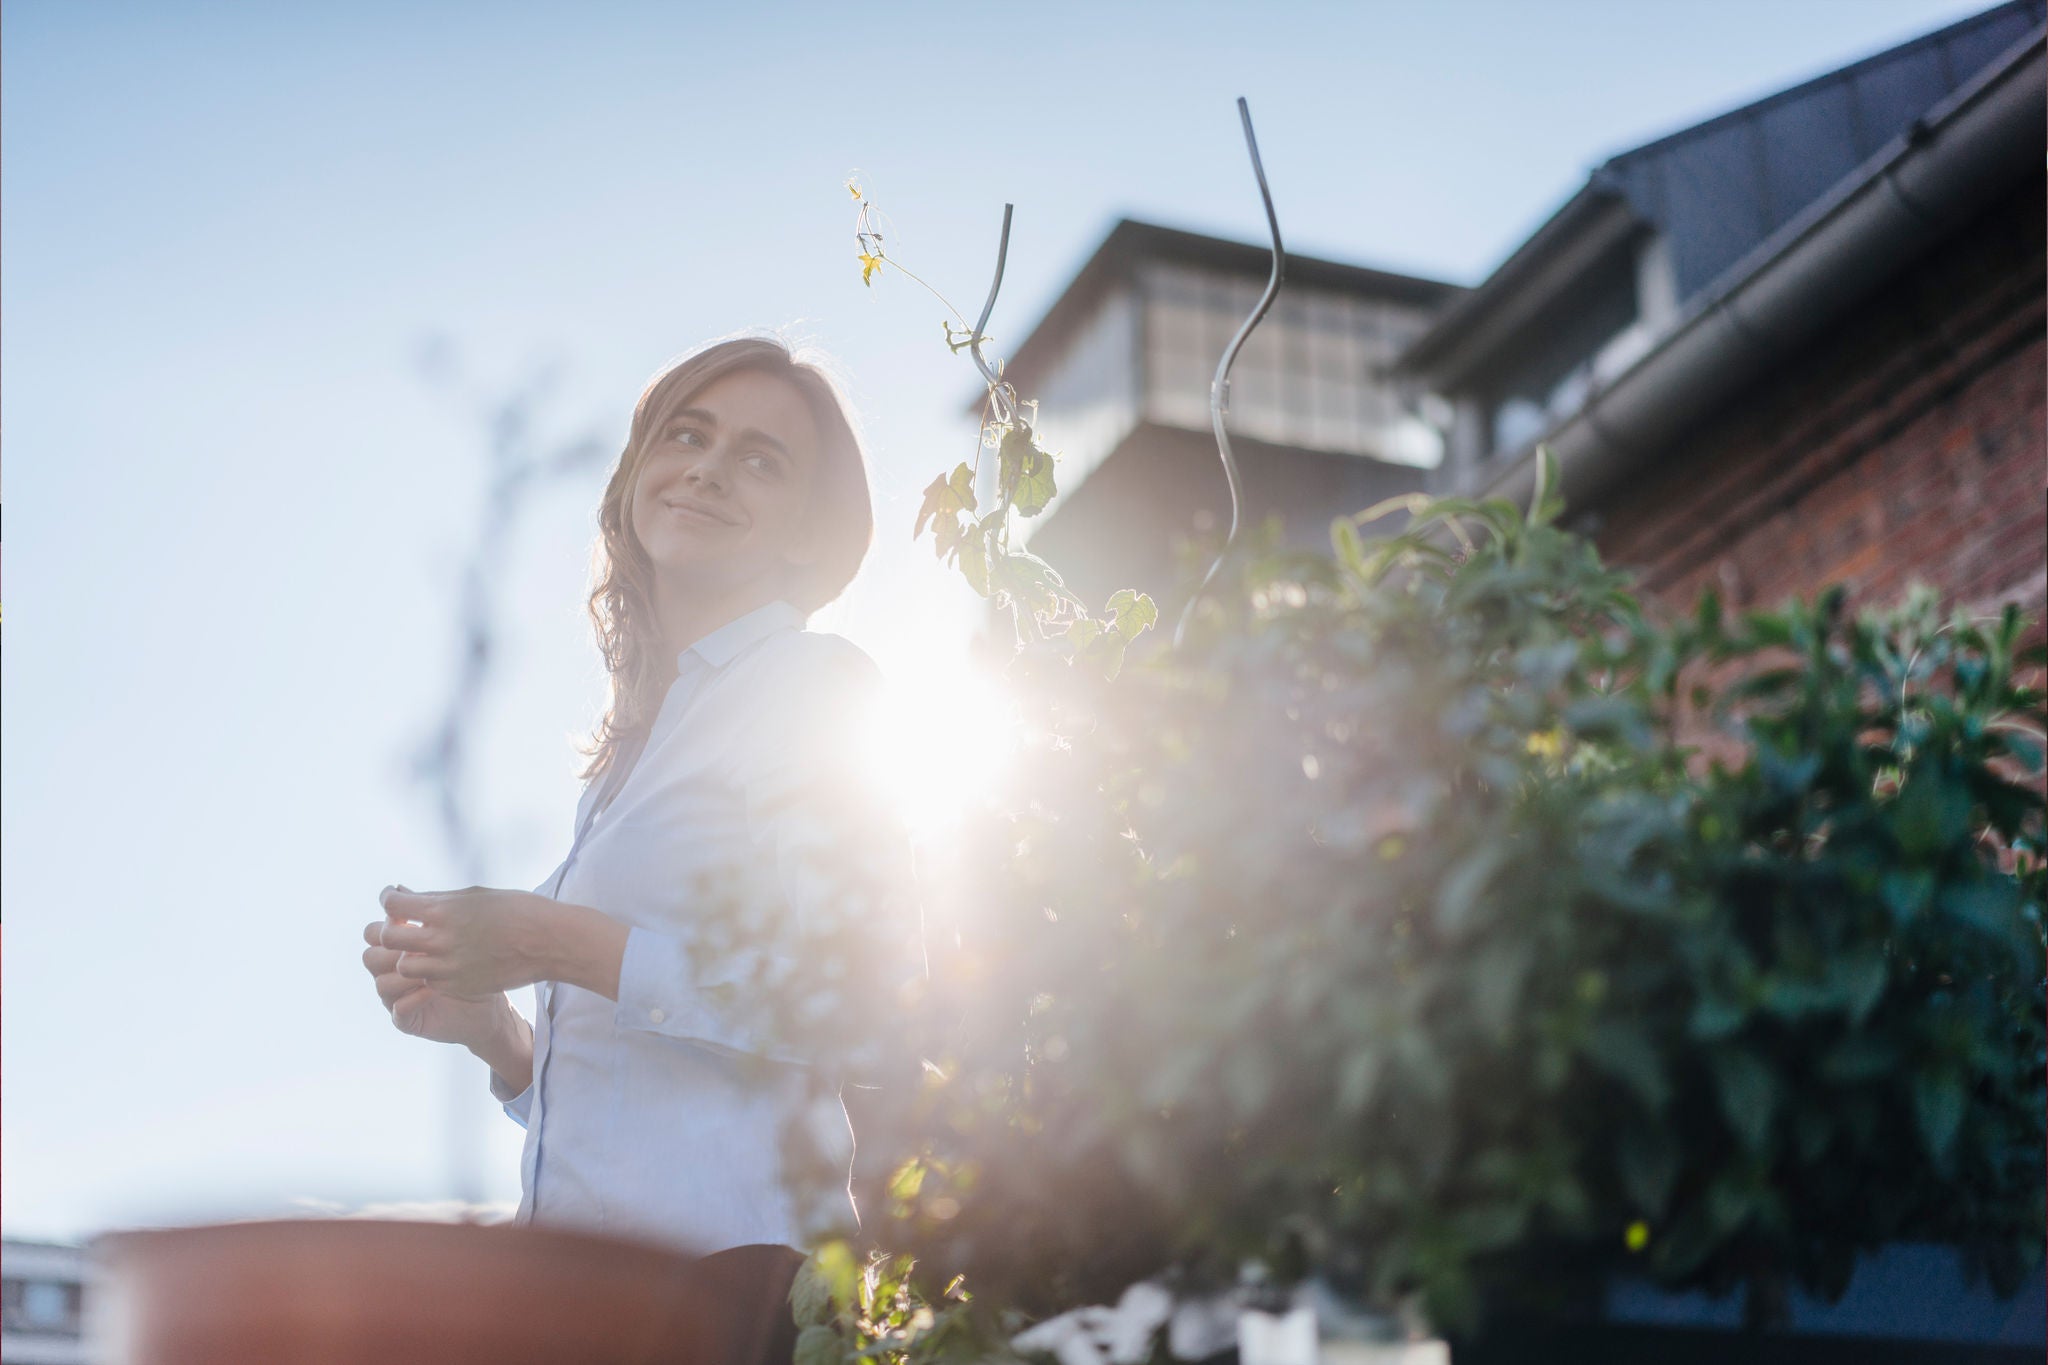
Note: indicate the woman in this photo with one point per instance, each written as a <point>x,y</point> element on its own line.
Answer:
<point>721,779</point>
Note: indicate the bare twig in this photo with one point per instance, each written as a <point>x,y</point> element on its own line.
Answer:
<point>517,469</point>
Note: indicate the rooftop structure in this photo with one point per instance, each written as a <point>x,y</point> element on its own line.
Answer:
<point>1121,365</point>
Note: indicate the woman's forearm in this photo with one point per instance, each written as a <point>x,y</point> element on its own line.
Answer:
<point>584,947</point>
<point>576,944</point>
<point>508,1052</point>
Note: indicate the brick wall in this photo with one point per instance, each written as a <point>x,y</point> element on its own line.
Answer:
<point>1906,442</point>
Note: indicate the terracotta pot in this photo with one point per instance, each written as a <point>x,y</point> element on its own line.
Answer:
<point>348,1292</point>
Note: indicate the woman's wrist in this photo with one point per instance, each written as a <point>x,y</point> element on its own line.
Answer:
<point>508,1048</point>
<point>583,947</point>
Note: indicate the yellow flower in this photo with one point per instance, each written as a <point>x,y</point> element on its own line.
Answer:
<point>1549,743</point>
<point>868,266</point>
<point>1638,1235</point>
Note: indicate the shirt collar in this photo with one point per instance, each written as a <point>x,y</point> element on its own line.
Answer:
<point>724,644</point>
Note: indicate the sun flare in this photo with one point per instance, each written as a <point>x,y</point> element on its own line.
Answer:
<point>941,730</point>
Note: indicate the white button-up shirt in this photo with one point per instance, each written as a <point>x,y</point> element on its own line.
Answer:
<point>642,1118</point>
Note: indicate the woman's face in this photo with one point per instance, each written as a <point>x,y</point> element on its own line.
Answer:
<point>723,496</point>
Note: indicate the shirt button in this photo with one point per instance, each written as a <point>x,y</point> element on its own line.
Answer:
<point>656,1016</point>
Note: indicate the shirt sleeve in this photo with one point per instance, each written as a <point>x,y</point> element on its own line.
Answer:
<point>519,1107</point>
<point>831,900</point>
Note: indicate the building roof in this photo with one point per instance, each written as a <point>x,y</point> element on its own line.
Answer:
<point>1718,190</point>
<point>1114,262</point>
<point>1976,144</point>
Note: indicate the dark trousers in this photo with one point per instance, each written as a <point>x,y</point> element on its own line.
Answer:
<point>740,1305</point>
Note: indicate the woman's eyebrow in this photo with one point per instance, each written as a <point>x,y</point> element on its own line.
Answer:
<point>704,417</point>
<point>707,418</point>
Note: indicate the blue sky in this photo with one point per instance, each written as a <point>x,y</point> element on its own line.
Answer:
<point>236,509</point>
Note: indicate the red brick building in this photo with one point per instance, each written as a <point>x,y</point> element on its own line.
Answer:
<point>1903,443</point>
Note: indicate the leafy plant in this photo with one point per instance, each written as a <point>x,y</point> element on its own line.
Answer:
<point>978,543</point>
<point>1436,923</point>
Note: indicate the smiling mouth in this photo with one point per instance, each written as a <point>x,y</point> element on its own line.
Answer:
<point>702,516</point>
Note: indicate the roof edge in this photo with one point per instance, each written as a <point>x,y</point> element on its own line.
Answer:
<point>1131,239</point>
<point>1924,184</point>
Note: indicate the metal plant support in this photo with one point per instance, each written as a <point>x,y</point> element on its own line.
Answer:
<point>1005,404</point>
<point>1219,387</point>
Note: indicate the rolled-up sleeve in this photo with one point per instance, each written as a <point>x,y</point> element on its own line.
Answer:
<point>519,1107</point>
<point>827,897</point>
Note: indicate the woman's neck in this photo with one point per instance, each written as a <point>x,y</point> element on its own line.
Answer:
<point>688,614</point>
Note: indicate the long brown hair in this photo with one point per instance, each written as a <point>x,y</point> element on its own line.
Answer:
<point>622,602</point>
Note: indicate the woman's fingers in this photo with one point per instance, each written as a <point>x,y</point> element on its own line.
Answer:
<point>422,967</point>
<point>380,960</point>
<point>406,938</point>
<point>400,903</point>
<point>392,988</point>
<point>408,1010</point>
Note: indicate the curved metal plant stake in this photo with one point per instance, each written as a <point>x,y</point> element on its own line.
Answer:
<point>1219,387</point>
<point>996,386</point>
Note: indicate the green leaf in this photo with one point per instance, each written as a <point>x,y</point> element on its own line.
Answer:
<point>1749,1094</point>
<point>1858,1059</point>
<point>1134,612</point>
<point>1647,1158</point>
<point>1546,504</point>
<point>1991,904</point>
<point>1729,1203</point>
<point>945,496</point>
<point>1906,892</point>
<point>1499,972</point>
<point>1457,904</point>
<point>974,563</point>
<point>1350,549</point>
<point>810,1298</point>
<point>1025,471</point>
<point>1930,814</point>
<point>819,1345</point>
<point>1715,1017</point>
<point>1488,1227</point>
<point>1938,1106</point>
<point>1030,579</point>
<point>1860,975</point>
<point>1623,1051</point>
<point>839,1272</point>
<point>907,1181</point>
<point>1358,1080</point>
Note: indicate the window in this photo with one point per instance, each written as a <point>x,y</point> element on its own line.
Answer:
<point>1311,375</point>
<point>1089,400</point>
<point>1583,338</point>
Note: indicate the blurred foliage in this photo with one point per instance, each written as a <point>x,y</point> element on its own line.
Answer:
<point>1392,932</point>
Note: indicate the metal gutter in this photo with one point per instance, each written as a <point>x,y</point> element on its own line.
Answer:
<point>1925,183</point>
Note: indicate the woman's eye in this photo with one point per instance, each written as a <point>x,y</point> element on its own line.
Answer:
<point>686,435</point>
<point>764,463</point>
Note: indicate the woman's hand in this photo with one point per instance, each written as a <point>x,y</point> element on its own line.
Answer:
<point>427,1012</point>
<point>480,941</point>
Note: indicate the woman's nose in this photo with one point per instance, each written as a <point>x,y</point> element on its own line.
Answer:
<point>709,470</point>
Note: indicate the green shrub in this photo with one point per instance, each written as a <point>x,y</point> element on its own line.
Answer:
<point>1394,930</point>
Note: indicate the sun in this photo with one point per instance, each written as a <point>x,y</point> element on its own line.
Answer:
<point>940,731</point>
